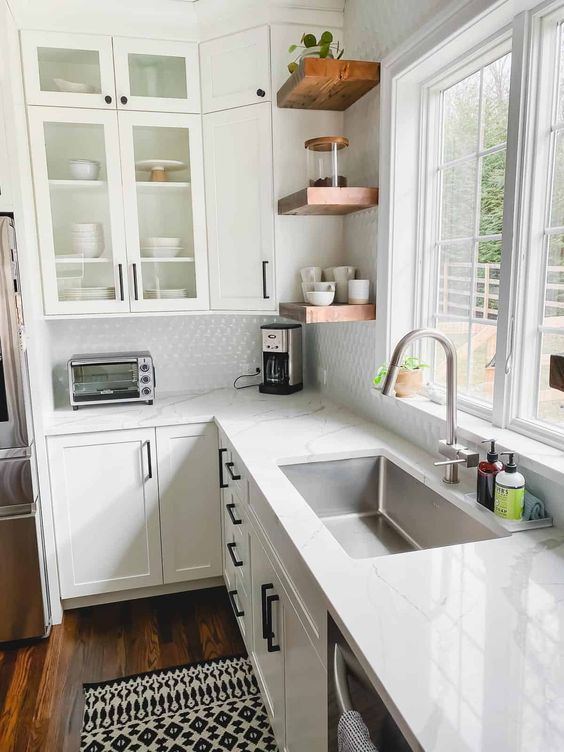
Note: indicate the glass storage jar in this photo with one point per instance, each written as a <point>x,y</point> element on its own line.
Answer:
<point>326,161</point>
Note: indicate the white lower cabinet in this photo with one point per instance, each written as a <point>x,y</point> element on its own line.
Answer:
<point>106,507</point>
<point>189,502</point>
<point>114,531</point>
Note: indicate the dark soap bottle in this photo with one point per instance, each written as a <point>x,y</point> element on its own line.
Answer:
<point>487,470</point>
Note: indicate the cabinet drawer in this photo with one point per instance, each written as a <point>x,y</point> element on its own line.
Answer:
<point>236,477</point>
<point>241,604</point>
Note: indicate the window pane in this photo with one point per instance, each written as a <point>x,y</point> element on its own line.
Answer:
<point>461,112</point>
<point>557,209</point>
<point>458,201</point>
<point>554,290</point>
<point>486,294</point>
<point>550,400</point>
<point>560,116</point>
<point>495,101</point>
<point>482,361</point>
<point>455,278</point>
<point>492,183</point>
<point>459,333</point>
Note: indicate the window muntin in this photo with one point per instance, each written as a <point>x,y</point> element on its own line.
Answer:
<point>470,178</point>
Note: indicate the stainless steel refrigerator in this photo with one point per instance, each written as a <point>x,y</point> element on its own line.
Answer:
<point>24,612</point>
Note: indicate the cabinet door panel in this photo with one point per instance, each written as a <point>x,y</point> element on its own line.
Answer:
<point>106,512</point>
<point>68,70</point>
<point>80,221</point>
<point>164,210</point>
<point>305,689</point>
<point>152,75</point>
<point>239,192</point>
<point>190,502</point>
<point>236,70</point>
<point>269,664</point>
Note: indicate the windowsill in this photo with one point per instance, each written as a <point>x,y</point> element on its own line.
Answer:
<point>534,455</point>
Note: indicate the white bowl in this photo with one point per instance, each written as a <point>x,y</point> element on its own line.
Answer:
<point>84,169</point>
<point>89,252</point>
<point>84,226</point>
<point>324,287</point>
<point>321,298</point>
<point>73,86</point>
<point>155,242</point>
<point>160,252</point>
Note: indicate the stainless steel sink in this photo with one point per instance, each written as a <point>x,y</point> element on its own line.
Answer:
<point>374,508</point>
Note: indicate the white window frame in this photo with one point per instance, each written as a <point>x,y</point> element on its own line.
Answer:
<point>461,30</point>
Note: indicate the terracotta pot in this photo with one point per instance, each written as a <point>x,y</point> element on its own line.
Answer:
<point>409,383</point>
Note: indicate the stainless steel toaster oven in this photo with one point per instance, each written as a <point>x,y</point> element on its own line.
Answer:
<point>109,378</point>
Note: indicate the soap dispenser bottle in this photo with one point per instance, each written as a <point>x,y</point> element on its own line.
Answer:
<point>509,491</point>
<point>487,472</point>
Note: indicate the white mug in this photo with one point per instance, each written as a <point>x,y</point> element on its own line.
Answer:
<point>329,274</point>
<point>359,291</point>
<point>311,274</point>
<point>324,287</point>
<point>342,276</point>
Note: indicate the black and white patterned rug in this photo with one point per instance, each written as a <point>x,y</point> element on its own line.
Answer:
<point>210,706</point>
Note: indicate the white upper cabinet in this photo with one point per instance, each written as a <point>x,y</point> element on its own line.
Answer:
<point>106,510</point>
<point>80,221</point>
<point>69,70</point>
<point>189,502</point>
<point>236,70</point>
<point>240,200</point>
<point>157,76</point>
<point>163,195</point>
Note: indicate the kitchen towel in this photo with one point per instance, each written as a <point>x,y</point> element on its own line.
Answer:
<point>352,734</point>
<point>533,508</point>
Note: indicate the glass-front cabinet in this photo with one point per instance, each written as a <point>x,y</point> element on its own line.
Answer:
<point>83,70</point>
<point>120,209</point>
<point>77,176</point>
<point>164,210</point>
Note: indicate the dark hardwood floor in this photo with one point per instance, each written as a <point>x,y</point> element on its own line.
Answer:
<point>41,684</point>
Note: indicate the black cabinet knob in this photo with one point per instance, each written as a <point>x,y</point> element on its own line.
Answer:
<point>261,93</point>
<point>123,100</point>
<point>107,99</point>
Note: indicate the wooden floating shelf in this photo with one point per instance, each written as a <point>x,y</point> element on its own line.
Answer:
<point>309,314</point>
<point>326,84</point>
<point>327,201</point>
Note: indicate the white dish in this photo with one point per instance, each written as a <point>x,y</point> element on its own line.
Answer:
<point>88,252</point>
<point>86,227</point>
<point>155,242</point>
<point>168,165</point>
<point>160,252</point>
<point>321,298</point>
<point>84,169</point>
<point>324,287</point>
<point>165,294</point>
<point>73,87</point>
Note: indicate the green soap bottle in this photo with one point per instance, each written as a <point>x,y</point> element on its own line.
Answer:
<point>509,491</point>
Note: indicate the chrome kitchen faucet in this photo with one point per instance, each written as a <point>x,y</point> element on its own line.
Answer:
<point>456,453</point>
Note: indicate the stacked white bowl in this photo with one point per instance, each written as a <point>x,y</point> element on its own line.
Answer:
<point>88,239</point>
<point>161,247</point>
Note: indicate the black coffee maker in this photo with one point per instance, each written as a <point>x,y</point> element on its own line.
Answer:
<point>281,359</point>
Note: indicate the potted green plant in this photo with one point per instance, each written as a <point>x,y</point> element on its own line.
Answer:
<point>310,46</point>
<point>410,377</point>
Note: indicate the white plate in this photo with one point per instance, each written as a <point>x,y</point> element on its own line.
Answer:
<point>160,252</point>
<point>169,165</point>
<point>165,294</point>
<point>156,242</point>
<point>73,87</point>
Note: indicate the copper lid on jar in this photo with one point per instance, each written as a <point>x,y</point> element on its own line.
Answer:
<point>326,143</point>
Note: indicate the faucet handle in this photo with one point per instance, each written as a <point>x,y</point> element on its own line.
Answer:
<point>458,454</point>
<point>460,461</point>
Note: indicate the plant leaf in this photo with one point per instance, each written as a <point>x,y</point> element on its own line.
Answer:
<point>292,48</point>
<point>380,374</point>
<point>326,38</point>
<point>292,67</point>
<point>324,50</point>
<point>309,40</point>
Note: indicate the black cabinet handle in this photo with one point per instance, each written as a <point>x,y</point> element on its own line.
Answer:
<point>267,627</point>
<point>238,611</point>
<point>123,100</point>
<point>135,286</point>
<point>107,99</point>
<point>234,520</point>
<point>265,294</point>
<point>149,460</point>
<point>120,275</point>
<point>261,93</point>
<point>231,548</point>
<point>230,466</point>
<point>222,483</point>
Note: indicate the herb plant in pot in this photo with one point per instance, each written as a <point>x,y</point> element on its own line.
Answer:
<point>310,46</point>
<point>410,377</point>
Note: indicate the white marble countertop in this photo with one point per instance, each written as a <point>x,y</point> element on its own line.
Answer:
<point>467,640</point>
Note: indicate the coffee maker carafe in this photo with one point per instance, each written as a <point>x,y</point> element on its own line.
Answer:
<point>281,358</point>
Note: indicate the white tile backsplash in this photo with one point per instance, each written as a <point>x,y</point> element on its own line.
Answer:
<point>190,352</point>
